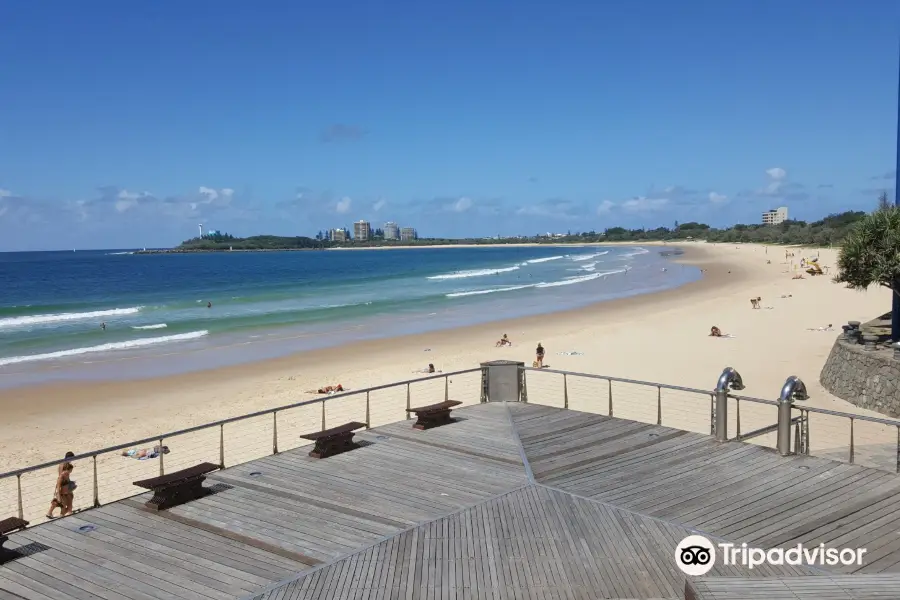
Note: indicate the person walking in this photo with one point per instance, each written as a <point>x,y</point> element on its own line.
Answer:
<point>63,493</point>
<point>539,356</point>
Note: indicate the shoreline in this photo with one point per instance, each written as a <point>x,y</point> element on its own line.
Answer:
<point>660,337</point>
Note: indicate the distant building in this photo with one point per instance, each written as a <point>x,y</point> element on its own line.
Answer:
<point>775,216</point>
<point>339,235</point>
<point>407,234</point>
<point>391,231</point>
<point>362,231</point>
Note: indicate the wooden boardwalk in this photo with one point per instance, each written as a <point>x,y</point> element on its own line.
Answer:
<point>458,512</point>
<point>739,492</point>
<point>532,543</point>
<point>270,518</point>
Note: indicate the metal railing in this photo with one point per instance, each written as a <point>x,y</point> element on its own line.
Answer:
<point>226,442</point>
<point>782,424</point>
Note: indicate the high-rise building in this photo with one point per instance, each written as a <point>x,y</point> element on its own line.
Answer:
<point>362,231</point>
<point>391,231</point>
<point>775,216</point>
<point>408,234</point>
<point>338,235</point>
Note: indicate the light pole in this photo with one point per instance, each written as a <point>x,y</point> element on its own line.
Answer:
<point>895,311</point>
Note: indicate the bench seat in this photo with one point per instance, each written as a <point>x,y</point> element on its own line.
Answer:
<point>333,441</point>
<point>177,487</point>
<point>10,525</point>
<point>433,415</point>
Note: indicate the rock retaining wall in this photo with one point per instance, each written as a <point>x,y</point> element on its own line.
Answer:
<point>867,379</point>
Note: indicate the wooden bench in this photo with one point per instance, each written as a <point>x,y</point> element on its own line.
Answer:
<point>178,487</point>
<point>433,415</point>
<point>334,441</point>
<point>9,525</point>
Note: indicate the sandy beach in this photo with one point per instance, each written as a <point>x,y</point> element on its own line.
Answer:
<point>661,337</point>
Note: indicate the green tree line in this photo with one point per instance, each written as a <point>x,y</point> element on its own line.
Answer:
<point>828,231</point>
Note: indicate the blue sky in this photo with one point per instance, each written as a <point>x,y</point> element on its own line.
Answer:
<point>127,124</point>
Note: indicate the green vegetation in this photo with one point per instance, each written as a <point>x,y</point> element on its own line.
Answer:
<point>225,241</point>
<point>828,231</point>
<point>870,254</point>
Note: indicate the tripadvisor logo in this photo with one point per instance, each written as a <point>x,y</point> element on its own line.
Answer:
<point>696,555</point>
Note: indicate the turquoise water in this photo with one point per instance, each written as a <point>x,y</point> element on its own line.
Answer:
<point>53,304</point>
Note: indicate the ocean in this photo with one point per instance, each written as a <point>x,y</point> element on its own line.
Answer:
<point>267,304</point>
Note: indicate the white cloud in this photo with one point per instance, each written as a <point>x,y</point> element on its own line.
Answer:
<point>717,198</point>
<point>604,207</point>
<point>208,193</point>
<point>379,204</point>
<point>776,173</point>
<point>642,204</point>
<point>461,205</point>
<point>343,205</point>
<point>5,193</point>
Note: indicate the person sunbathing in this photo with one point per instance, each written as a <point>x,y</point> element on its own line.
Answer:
<point>146,452</point>
<point>715,332</point>
<point>429,369</point>
<point>330,389</point>
<point>504,341</point>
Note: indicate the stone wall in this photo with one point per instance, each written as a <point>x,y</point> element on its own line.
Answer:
<point>867,379</point>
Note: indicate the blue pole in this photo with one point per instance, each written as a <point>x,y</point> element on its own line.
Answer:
<point>895,311</point>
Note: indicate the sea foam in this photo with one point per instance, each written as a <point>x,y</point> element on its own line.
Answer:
<point>127,345</point>
<point>28,320</point>
<point>473,273</point>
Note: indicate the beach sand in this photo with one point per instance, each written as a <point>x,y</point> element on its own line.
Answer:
<point>660,337</point>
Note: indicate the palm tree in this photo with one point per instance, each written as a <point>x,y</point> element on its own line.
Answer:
<point>870,255</point>
<point>883,201</point>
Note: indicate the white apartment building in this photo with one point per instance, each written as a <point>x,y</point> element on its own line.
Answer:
<point>408,234</point>
<point>775,216</point>
<point>391,231</point>
<point>362,231</point>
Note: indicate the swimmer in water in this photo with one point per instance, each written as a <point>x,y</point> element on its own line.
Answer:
<point>103,326</point>
<point>209,305</point>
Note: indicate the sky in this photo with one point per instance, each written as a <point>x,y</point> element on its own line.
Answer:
<point>128,124</point>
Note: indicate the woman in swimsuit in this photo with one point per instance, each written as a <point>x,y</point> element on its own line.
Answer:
<point>539,353</point>
<point>63,495</point>
<point>55,503</point>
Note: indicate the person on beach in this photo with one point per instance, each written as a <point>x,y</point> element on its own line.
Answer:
<point>504,341</point>
<point>54,503</point>
<point>715,332</point>
<point>64,493</point>
<point>539,356</point>
<point>145,453</point>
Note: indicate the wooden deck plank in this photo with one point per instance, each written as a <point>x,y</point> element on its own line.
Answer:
<point>532,543</point>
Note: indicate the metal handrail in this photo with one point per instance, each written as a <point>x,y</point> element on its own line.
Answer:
<point>825,411</point>
<point>621,380</point>
<point>268,411</point>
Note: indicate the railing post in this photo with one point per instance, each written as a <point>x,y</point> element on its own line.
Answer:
<point>729,379</point>
<point>323,415</point>
<point>162,464</point>
<point>96,487</point>
<point>19,491</point>
<point>797,436</point>
<point>484,385</point>
<point>852,448</point>
<point>274,432</point>
<point>737,417</point>
<point>222,446</point>
<point>565,392</point>
<point>368,424</point>
<point>408,399</point>
<point>658,405</point>
<point>898,449</point>
<point>793,389</point>
<point>609,396</point>
<point>446,387</point>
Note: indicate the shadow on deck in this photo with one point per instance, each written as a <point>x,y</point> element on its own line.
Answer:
<point>512,501</point>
